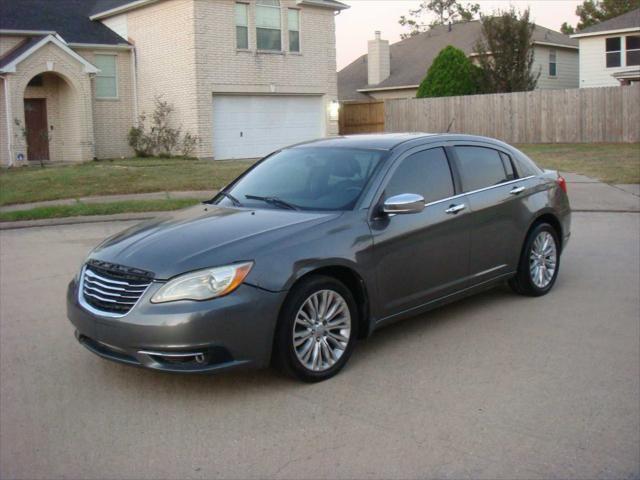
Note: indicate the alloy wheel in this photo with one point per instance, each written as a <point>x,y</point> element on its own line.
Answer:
<point>321,330</point>
<point>543,259</point>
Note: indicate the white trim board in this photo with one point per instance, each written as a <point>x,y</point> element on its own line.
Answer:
<point>605,32</point>
<point>57,41</point>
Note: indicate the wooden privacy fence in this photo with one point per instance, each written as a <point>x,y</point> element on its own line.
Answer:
<point>361,117</point>
<point>585,115</point>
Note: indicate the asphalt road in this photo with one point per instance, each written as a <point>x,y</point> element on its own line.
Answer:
<point>497,386</point>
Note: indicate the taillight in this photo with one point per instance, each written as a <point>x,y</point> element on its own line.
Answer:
<point>562,183</point>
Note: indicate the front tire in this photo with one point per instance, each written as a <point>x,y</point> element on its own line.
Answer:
<point>317,329</point>
<point>539,262</point>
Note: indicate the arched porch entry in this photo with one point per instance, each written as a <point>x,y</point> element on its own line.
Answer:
<point>49,108</point>
<point>51,118</point>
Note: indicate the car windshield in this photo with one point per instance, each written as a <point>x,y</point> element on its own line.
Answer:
<point>305,178</point>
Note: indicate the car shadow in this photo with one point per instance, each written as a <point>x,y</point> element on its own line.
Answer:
<point>384,343</point>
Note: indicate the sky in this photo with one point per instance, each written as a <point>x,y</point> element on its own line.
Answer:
<point>355,26</point>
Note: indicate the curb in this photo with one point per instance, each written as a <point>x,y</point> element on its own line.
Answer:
<point>55,222</point>
<point>177,195</point>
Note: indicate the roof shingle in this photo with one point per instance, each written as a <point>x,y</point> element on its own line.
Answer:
<point>68,18</point>
<point>626,20</point>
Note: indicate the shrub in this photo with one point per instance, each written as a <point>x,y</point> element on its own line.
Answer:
<point>450,74</point>
<point>161,139</point>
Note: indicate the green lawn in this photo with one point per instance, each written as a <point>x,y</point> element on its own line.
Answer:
<point>611,163</point>
<point>111,177</point>
<point>86,209</point>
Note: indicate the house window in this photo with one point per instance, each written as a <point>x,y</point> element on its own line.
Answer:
<point>633,50</point>
<point>268,25</point>
<point>242,26</point>
<point>106,78</point>
<point>614,55</point>
<point>553,66</point>
<point>294,30</point>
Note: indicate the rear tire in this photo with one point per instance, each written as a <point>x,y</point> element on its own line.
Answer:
<point>539,262</point>
<point>317,329</point>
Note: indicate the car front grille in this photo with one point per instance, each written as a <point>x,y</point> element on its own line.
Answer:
<point>112,289</point>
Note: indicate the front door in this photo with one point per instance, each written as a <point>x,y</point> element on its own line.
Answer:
<point>35,116</point>
<point>422,256</point>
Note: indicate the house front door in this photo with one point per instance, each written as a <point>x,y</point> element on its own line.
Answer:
<point>35,117</point>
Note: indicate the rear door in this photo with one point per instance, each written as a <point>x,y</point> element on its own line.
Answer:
<point>421,256</point>
<point>497,196</point>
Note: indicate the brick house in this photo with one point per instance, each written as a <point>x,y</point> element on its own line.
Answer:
<point>246,76</point>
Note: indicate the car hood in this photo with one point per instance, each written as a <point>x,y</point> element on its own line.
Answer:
<point>201,237</point>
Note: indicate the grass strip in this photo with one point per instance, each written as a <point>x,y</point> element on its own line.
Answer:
<point>88,209</point>
<point>610,163</point>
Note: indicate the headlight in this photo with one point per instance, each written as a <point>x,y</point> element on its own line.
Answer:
<point>203,284</point>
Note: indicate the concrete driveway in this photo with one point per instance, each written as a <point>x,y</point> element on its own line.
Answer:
<point>497,386</point>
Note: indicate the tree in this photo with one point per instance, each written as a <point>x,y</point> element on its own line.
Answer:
<point>592,12</point>
<point>450,74</point>
<point>505,53</point>
<point>567,29</point>
<point>442,12</point>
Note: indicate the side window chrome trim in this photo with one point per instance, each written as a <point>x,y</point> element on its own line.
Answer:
<point>480,190</point>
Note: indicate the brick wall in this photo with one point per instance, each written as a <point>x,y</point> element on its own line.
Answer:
<point>74,125</point>
<point>112,118</point>
<point>221,68</point>
<point>163,34</point>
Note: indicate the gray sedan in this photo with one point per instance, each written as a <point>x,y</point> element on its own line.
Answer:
<point>317,246</point>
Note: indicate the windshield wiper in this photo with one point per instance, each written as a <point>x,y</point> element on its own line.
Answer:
<point>234,200</point>
<point>273,201</point>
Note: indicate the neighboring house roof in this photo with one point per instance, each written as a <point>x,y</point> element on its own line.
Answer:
<point>68,18</point>
<point>412,57</point>
<point>629,20</point>
<point>105,8</point>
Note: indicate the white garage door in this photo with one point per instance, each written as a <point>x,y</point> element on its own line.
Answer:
<point>253,126</point>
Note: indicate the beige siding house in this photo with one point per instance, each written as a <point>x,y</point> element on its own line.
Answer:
<point>247,77</point>
<point>396,71</point>
<point>610,52</point>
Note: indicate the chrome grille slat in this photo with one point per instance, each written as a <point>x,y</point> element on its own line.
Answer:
<point>110,291</point>
<point>118,289</point>
<point>110,294</point>
<point>87,294</point>
<point>93,274</point>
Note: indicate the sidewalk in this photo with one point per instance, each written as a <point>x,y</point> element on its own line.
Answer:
<point>197,194</point>
<point>590,195</point>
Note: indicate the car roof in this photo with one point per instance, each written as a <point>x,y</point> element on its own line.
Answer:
<point>389,141</point>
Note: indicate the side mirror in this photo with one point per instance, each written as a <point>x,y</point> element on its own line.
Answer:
<point>404,203</point>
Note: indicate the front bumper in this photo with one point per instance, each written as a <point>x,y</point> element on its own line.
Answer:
<point>219,334</point>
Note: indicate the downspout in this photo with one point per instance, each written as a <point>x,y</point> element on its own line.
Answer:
<point>134,68</point>
<point>5,81</point>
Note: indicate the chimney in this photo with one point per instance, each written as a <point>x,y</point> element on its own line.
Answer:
<point>379,61</point>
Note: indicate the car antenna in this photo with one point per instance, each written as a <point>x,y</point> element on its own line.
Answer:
<point>451,124</point>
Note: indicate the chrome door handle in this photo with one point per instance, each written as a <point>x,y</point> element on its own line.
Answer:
<point>516,190</point>
<point>453,209</point>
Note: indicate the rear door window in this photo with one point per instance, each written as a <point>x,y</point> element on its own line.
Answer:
<point>508,166</point>
<point>480,167</point>
<point>425,173</point>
